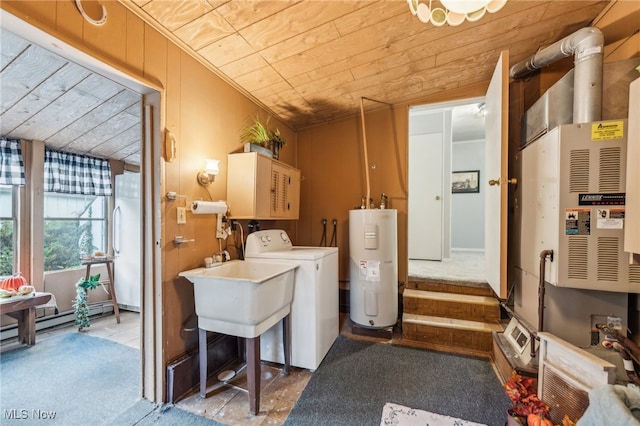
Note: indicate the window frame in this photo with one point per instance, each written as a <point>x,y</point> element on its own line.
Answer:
<point>104,223</point>
<point>16,227</point>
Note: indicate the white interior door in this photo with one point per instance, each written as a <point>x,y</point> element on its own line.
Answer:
<point>425,196</point>
<point>495,184</point>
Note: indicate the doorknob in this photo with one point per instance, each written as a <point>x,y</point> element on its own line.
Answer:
<point>512,181</point>
<point>437,198</point>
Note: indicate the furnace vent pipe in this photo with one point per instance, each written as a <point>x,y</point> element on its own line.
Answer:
<point>586,45</point>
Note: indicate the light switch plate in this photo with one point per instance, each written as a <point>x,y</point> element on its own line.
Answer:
<point>182,215</point>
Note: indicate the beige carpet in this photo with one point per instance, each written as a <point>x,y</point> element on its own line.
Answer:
<point>399,415</point>
<point>461,266</point>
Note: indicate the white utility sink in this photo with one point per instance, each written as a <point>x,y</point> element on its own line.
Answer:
<point>242,297</point>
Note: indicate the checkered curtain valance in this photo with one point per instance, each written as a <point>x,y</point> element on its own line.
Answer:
<point>11,164</point>
<point>76,174</point>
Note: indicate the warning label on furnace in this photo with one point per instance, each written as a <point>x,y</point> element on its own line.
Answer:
<point>577,222</point>
<point>610,218</point>
<point>607,130</point>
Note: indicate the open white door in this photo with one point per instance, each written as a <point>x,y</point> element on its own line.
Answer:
<point>495,186</point>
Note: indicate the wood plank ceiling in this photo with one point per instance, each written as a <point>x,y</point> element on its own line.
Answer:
<point>304,61</point>
<point>311,61</point>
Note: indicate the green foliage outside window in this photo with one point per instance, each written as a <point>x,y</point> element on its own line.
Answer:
<point>65,241</point>
<point>6,247</point>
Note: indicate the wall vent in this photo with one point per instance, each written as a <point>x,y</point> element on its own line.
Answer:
<point>578,258</point>
<point>579,170</point>
<point>562,393</point>
<point>634,274</point>
<point>608,255</point>
<point>566,374</point>
<point>610,170</point>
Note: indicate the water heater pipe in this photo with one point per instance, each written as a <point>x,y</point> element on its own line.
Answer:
<point>543,256</point>
<point>364,149</point>
<point>586,45</point>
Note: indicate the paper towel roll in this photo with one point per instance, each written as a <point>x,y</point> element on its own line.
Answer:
<point>209,207</point>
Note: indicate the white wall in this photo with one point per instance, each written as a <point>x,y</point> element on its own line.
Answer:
<point>467,210</point>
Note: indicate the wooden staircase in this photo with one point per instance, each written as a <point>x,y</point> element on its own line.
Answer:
<point>450,316</point>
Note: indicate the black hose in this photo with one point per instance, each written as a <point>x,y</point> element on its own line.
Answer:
<point>334,238</point>
<point>323,239</point>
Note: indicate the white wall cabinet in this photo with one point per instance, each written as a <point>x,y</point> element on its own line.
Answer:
<point>260,187</point>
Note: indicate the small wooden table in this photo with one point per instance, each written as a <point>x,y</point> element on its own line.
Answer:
<point>108,263</point>
<point>23,308</point>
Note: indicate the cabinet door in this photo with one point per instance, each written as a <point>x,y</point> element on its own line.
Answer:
<point>264,188</point>
<point>285,191</point>
<point>293,195</point>
<point>261,188</point>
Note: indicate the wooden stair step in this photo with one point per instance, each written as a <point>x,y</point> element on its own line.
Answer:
<point>449,332</point>
<point>484,327</point>
<point>466,298</point>
<point>449,286</point>
<point>451,305</point>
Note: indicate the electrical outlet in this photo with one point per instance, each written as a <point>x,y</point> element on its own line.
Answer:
<point>182,215</point>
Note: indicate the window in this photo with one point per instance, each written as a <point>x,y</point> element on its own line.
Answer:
<point>8,230</point>
<point>74,225</point>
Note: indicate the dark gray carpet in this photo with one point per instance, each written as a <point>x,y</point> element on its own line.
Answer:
<point>75,379</point>
<point>356,379</point>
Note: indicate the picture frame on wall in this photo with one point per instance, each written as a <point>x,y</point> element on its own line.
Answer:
<point>465,182</point>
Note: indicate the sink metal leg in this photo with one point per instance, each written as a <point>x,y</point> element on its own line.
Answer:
<point>202,346</point>
<point>286,343</point>
<point>253,373</point>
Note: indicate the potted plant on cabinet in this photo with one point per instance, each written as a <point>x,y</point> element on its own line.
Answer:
<point>257,137</point>
<point>277,142</point>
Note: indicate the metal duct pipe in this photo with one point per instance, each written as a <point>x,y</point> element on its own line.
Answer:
<point>586,45</point>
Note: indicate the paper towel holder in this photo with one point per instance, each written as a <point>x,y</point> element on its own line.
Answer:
<point>208,175</point>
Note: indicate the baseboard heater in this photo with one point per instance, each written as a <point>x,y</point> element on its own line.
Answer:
<point>42,323</point>
<point>183,373</point>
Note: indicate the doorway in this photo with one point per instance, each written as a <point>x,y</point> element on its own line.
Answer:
<point>446,205</point>
<point>146,110</point>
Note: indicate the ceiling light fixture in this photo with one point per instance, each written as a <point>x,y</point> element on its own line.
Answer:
<point>453,12</point>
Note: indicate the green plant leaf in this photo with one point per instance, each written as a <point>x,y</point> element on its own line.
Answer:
<point>256,132</point>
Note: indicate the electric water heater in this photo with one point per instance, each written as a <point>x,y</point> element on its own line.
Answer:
<point>373,267</point>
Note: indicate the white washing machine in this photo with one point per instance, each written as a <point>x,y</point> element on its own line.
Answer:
<point>314,310</point>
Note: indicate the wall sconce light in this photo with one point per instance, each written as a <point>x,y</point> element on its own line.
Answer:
<point>208,175</point>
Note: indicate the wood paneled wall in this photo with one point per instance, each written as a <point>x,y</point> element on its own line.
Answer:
<point>204,113</point>
<point>332,162</point>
